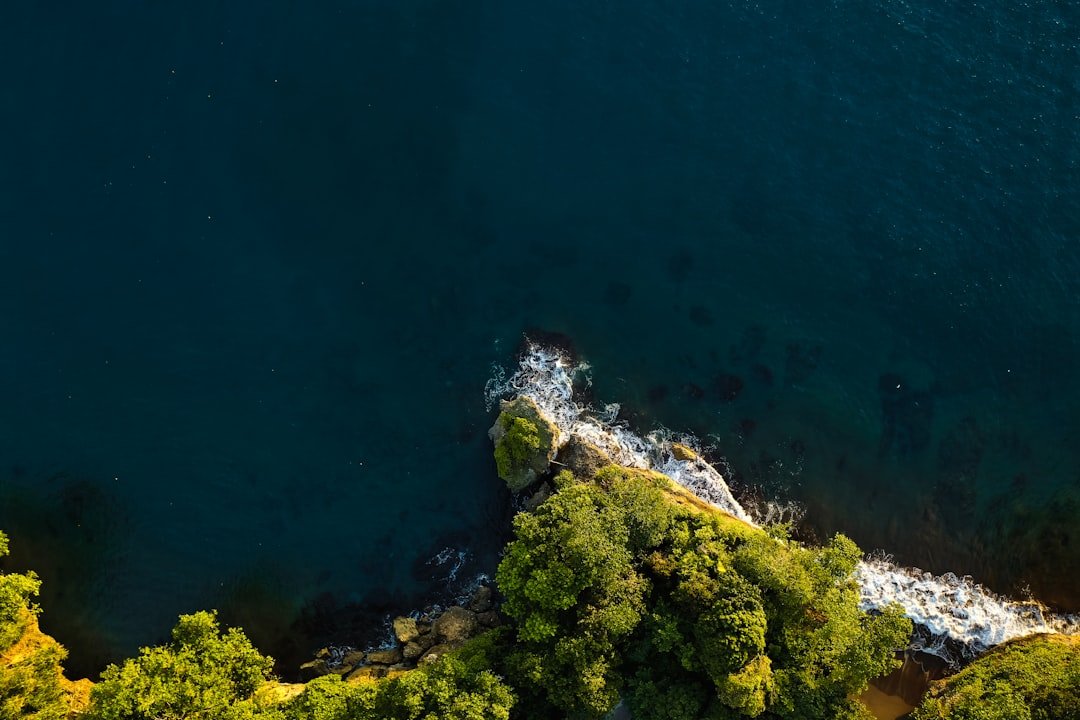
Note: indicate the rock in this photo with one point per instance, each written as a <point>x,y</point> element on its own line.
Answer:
<point>323,654</point>
<point>391,656</point>
<point>435,653</point>
<point>456,625</point>
<point>367,672</point>
<point>538,498</point>
<point>681,452</point>
<point>405,629</point>
<point>353,657</point>
<point>481,600</point>
<point>525,441</point>
<point>582,457</point>
<point>313,669</point>
<point>489,619</point>
<point>413,650</point>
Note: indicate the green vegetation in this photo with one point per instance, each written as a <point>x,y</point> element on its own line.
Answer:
<point>15,606</point>
<point>515,450</point>
<point>201,673</point>
<point>30,673</point>
<point>625,587</point>
<point>1034,678</point>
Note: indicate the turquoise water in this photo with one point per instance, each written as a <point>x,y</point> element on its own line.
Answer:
<point>257,269</point>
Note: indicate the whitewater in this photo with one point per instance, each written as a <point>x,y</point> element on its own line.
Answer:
<point>955,617</point>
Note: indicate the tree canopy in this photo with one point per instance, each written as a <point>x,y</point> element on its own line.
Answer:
<point>619,587</point>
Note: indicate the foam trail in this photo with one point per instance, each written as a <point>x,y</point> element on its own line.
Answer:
<point>957,609</point>
<point>955,618</point>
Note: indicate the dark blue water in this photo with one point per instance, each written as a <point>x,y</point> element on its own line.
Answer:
<point>257,265</point>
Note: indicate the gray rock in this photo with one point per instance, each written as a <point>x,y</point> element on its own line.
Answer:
<point>313,669</point>
<point>481,600</point>
<point>456,625</point>
<point>582,457</point>
<point>489,619</point>
<point>413,650</point>
<point>353,657</point>
<point>391,656</point>
<point>435,653</point>
<point>405,629</point>
<point>373,672</point>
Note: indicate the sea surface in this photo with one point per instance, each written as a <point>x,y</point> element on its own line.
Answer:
<point>257,264</point>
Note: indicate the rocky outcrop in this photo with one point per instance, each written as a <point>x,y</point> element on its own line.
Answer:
<point>582,458</point>
<point>418,640</point>
<point>525,441</point>
<point>682,452</point>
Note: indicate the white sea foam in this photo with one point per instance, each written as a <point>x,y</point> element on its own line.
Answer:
<point>955,617</point>
<point>948,607</point>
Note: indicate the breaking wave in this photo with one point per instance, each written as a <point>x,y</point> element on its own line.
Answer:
<point>955,618</point>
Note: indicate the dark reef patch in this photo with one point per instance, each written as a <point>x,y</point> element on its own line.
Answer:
<point>907,416</point>
<point>800,362</point>
<point>727,387</point>
<point>701,316</point>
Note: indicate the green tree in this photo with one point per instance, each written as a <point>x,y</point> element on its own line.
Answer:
<point>16,608</point>
<point>570,582</point>
<point>30,686</point>
<point>201,673</point>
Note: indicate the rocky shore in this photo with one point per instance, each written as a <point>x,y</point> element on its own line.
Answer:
<point>417,641</point>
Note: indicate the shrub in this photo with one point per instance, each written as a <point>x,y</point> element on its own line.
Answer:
<point>15,606</point>
<point>1036,677</point>
<point>516,448</point>
<point>200,673</point>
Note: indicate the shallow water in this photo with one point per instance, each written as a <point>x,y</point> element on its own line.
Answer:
<point>257,268</point>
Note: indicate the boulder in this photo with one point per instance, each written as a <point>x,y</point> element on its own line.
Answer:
<point>391,656</point>
<point>582,457</point>
<point>489,619</point>
<point>353,658</point>
<point>481,600</point>
<point>682,452</point>
<point>313,669</point>
<point>367,672</point>
<point>435,653</point>
<point>525,441</point>
<point>413,650</point>
<point>405,629</point>
<point>455,626</point>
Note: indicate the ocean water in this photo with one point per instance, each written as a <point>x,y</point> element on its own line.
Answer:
<point>258,265</point>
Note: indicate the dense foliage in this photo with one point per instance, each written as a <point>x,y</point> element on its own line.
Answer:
<point>30,672</point>
<point>516,448</point>
<point>1036,678</point>
<point>618,589</point>
<point>200,673</point>
<point>15,592</point>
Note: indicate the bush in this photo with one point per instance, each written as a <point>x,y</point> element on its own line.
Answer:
<point>1036,677</point>
<point>200,673</point>
<point>517,447</point>
<point>15,606</point>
